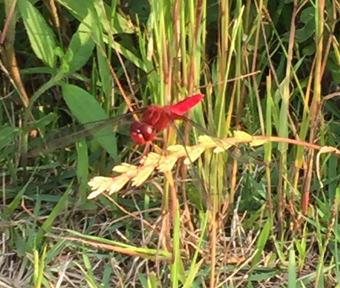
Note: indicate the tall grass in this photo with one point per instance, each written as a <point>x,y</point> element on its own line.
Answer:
<point>267,68</point>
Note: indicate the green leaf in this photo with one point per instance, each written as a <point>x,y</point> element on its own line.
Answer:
<point>7,135</point>
<point>153,281</point>
<point>260,276</point>
<point>104,69</point>
<point>261,241</point>
<point>107,275</point>
<point>120,25</point>
<point>193,273</point>
<point>44,121</point>
<point>53,215</point>
<point>82,169</point>
<point>175,266</point>
<point>16,201</point>
<point>142,279</point>
<point>80,10</point>
<point>39,33</point>
<point>81,46</point>
<point>292,269</point>
<point>86,109</point>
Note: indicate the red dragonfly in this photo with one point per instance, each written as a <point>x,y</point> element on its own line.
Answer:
<point>154,119</point>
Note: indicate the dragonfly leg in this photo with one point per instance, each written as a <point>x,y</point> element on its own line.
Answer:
<point>147,149</point>
<point>135,148</point>
<point>158,139</point>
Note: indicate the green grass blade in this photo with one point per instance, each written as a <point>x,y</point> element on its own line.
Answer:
<point>15,202</point>
<point>194,267</point>
<point>39,266</point>
<point>292,269</point>
<point>7,135</point>
<point>82,170</point>
<point>261,241</point>
<point>62,204</point>
<point>175,267</point>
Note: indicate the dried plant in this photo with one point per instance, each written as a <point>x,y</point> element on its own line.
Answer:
<point>164,163</point>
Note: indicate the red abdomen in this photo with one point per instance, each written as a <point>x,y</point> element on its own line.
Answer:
<point>184,106</point>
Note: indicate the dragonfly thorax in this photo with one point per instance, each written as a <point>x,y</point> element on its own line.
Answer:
<point>141,132</point>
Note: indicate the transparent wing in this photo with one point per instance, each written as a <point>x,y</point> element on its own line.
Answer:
<point>239,153</point>
<point>68,135</point>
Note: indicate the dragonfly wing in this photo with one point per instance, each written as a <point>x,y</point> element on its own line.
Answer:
<point>234,151</point>
<point>196,125</point>
<point>68,135</point>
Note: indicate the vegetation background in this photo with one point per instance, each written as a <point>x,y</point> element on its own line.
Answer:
<point>258,215</point>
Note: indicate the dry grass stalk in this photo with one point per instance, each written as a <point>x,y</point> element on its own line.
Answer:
<point>153,161</point>
<point>164,163</point>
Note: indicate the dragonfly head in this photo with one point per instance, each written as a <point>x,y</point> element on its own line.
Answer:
<point>141,132</point>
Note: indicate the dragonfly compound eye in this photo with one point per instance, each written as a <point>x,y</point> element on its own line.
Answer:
<point>136,133</point>
<point>148,132</point>
<point>138,138</point>
<point>141,132</point>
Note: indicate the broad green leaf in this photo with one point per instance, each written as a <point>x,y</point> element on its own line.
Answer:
<point>80,9</point>
<point>120,25</point>
<point>39,33</point>
<point>81,46</point>
<point>86,109</point>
